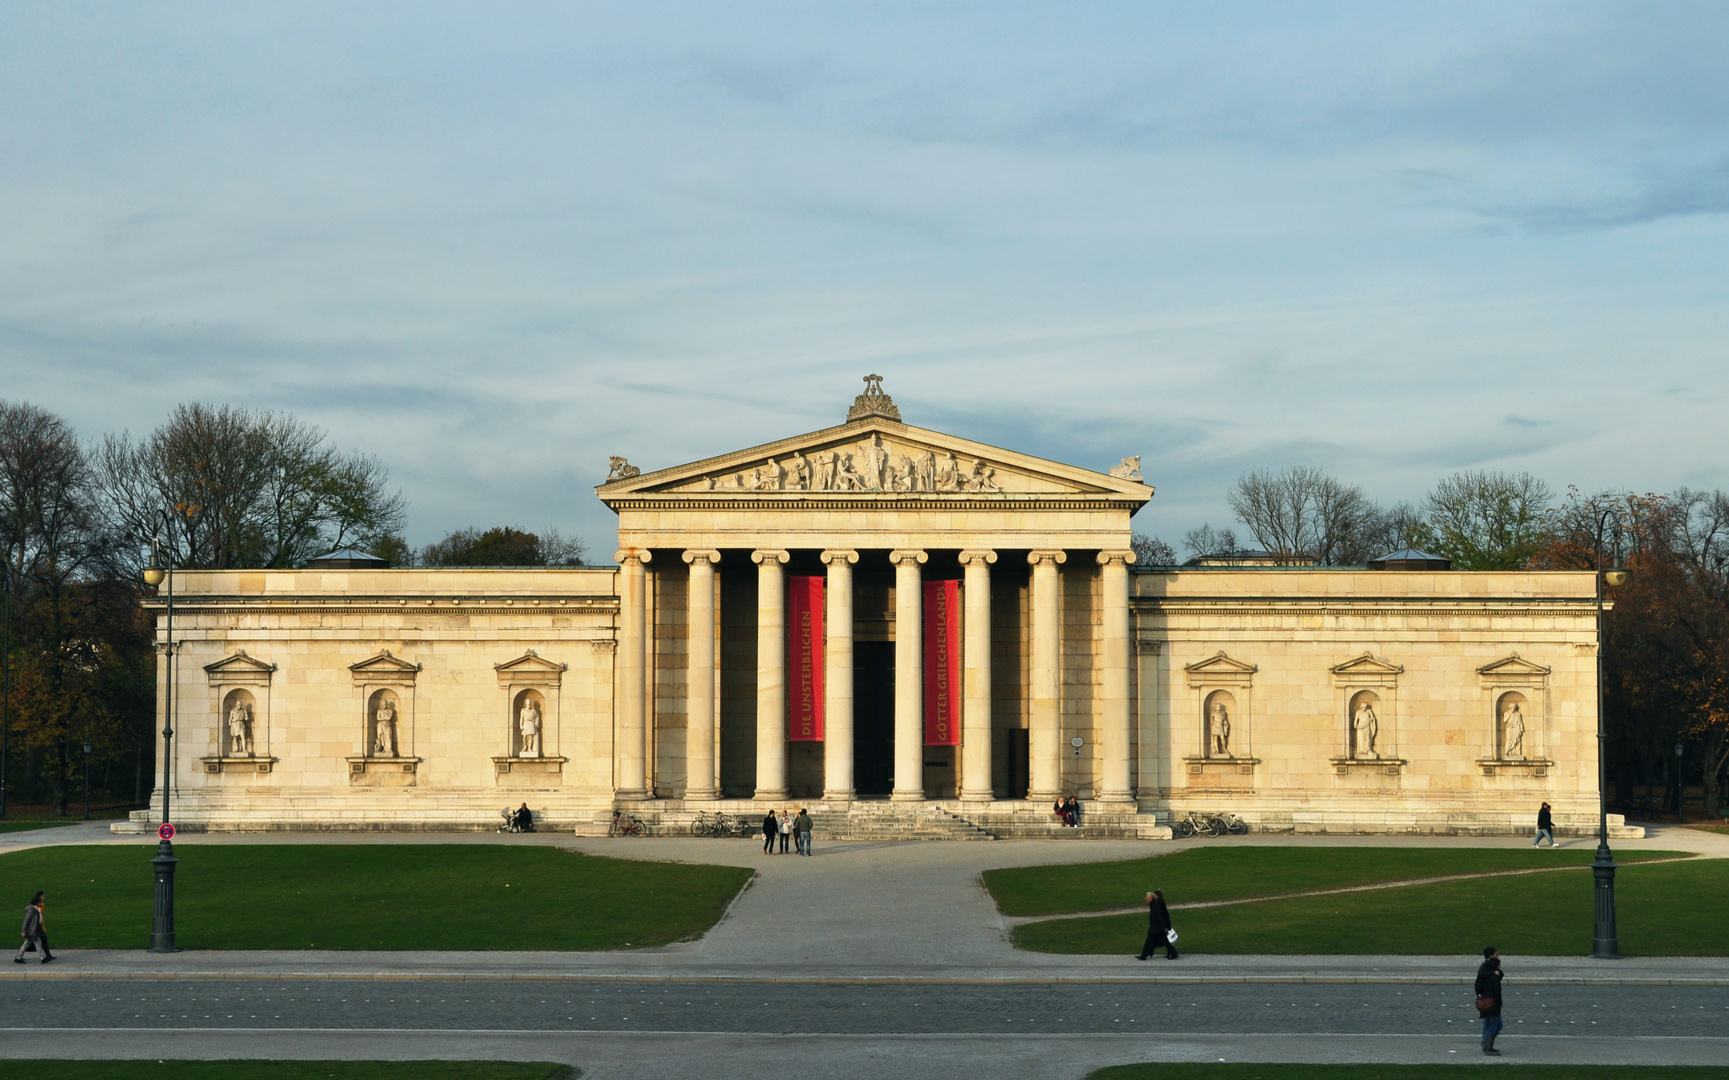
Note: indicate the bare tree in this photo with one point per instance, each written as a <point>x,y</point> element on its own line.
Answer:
<point>1487,520</point>
<point>1151,551</point>
<point>1205,541</point>
<point>251,489</point>
<point>1303,516</point>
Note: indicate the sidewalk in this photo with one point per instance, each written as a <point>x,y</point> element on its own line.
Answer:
<point>890,913</point>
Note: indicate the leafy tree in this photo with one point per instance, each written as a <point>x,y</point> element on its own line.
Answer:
<point>1486,520</point>
<point>504,546</point>
<point>253,489</point>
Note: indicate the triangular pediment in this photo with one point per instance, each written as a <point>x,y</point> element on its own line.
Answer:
<point>239,663</point>
<point>876,457</point>
<point>384,664</point>
<point>1512,665</point>
<point>1368,664</point>
<point>529,664</point>
<point>1220,664</point>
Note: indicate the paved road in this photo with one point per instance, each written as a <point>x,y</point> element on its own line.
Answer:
<point>853,1010</point>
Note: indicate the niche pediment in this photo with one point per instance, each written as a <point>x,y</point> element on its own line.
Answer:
<point>384,668</point>
<point>529,668</point>
<point>1219,669</point>
<point>1368,664</point>
<point>238,667</point>
<point>1513,666</point>
<point>876,457</point>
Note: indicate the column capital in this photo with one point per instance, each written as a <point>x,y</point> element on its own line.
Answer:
<point>1149,646</point>
<point>696,555</point>
<point>1054,558</point>
<point>839,555</point>
<point>765,557</point>
<point>908,555</point>
<point>980,558</point>
<point>603,645</point>
<point>632,555</point>
<point>1106,558</point>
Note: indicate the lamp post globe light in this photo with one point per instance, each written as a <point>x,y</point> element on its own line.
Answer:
<point>1605,944</point>
<point>162,569</point>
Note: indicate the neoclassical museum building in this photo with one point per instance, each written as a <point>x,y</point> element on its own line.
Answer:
<point>889,624</point>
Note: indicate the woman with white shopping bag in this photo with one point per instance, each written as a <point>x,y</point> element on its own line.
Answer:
<point>1159,929</point>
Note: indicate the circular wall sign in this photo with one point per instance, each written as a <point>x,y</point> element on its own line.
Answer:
<point>166,832</point>
<point>1077,742</point>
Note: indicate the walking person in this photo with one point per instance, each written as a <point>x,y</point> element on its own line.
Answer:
<point>770,830</point>
<point>1488,988</point>
<point>785,831</point>
<point>34,931</point>
<point>801,825</point>
<point>1545,827</point>
<point>1159,931</point>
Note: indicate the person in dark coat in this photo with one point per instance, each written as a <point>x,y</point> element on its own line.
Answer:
<point>1489,986</point>
<point>1545,827</point>
<point>35,934</point>
<point>770,830</point>
<point>1158,927</point>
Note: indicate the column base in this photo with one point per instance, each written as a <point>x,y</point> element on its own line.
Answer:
<point>907,796</point>
<point>710,795</point>
<point>978,796</point>
<point>767,795</point>
<point>1043,796</point>
<point>846,796</point>
<point>633,794</point>
<point>1116,796</point>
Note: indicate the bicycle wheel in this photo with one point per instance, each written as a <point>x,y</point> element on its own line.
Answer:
<point>1239,826</point>
<point>1182,830</point>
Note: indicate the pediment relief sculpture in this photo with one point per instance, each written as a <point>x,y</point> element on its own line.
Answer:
<point>872,466</point>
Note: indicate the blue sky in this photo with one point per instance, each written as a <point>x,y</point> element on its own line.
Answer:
<point>492,244</point>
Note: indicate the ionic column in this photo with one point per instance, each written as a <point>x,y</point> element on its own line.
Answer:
<point>1044,716</point>
<point>976,688</point>
<point>630,749</point>
<point>837,678</point>
<point>1114,720</point>
<point>770,674</point>
<point>909,676</point>
<point>699,678</point>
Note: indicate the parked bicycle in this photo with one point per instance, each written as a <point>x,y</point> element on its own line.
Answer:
<point>718,824</point>
<point>1198,824</point>
<point>625,825</point>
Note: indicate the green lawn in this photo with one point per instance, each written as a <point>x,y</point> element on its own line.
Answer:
<point>1166,1071</point>
<point>1221,873</point>
<point>371,896</point>
<point>1673,909</point>
<point>284,1070</point>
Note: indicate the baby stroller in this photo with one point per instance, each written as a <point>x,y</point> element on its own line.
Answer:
<point>516,821</point>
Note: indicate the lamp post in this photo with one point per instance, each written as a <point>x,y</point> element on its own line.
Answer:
<point>162,924</point>
<point>86,779</point>
<point>1680,780</point>
<point>1605,944</point>
<point>5,684</point>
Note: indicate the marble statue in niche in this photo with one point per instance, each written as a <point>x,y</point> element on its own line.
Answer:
<point>240,728</point>
<point>528,724</point>
<point>1512,731</point>
<point>384,727</point>
<point>1365,728</point>
<point>1219,729</point>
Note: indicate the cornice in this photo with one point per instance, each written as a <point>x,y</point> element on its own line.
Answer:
<point>384,604</point>
<point>1360,604</point>
<point>941,501</point>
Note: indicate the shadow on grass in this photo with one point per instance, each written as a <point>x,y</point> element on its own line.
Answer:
<point>1529,915</point>
<point>285,1070</point>
<point>372,896</point>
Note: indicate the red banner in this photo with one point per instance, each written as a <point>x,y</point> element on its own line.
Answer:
<point>942,663</point>
<point>804,652</point>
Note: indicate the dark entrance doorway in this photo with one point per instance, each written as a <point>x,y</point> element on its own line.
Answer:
<point>873,717</point>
